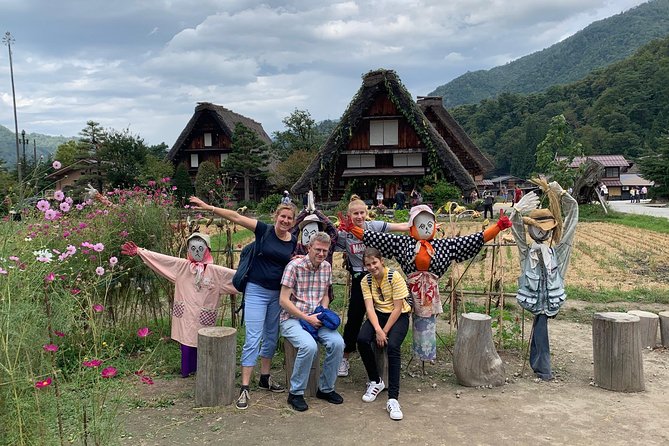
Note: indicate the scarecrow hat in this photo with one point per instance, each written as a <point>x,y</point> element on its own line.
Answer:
<point>541,218</point>
<point>204,237</point>
<point>417,210</point>
<point>311,218</point>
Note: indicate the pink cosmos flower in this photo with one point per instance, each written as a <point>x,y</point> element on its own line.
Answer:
<point>43,205</point>
<point>60,334</point>
<point>109,372</point>
<point>99,270</point>
<point>79,207</point>
<point>98,308</point>
<point>71,250</point>
<point>75,291</point>
<point>64,206</point>
<point>92,363</point>
<point>59,195</point>
<point>113,261</point>
<point>166,180</point>
<point>143,332</point>
<point>69,201</point>
<point>43,384</point>
<point>3,271</point>
<point>98,247</point>
<point>49,277</point>
<point>50,214</point>
<point>124,234</point>
<point>174,188</point>
<point>50,347</point>
<point>147,380</point>
<point>151,183</point>
<point>14,258</point>
<point>56,165</point>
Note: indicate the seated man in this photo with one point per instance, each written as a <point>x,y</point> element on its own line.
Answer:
<point>304,286</point>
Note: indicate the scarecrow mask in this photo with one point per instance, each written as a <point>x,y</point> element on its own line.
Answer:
<point>308,231</point>
<point>197,248</point>
<point>539,235</point>
<point>424,224</point>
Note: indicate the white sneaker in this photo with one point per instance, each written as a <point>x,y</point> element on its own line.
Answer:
<point>343,367</point>
<point>394,409</point>
<point>373,389</point>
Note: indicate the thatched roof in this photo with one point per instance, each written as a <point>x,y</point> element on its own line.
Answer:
<point>375,83</point>
<point>435,105</point>
<point>227,119</point>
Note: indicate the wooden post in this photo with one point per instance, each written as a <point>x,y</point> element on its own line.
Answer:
<point>216,364</point>
<point>381,357</point>
<point>664,328</point>
<point>475,360</point>
<point>648,323</point>
<point>290,352</point>
<point>617,352</point>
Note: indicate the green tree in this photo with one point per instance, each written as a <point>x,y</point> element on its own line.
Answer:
<point>556,152</point>
<point>68,152</point>
<point>183,182</point>
<point>91,138</point>
<point>654,166</point>
<point>286,173</point>
<point>124,156</point>
<point>205,181</point>
<point>302,133</point>
<point>248,159</point>
<point>155,168</point>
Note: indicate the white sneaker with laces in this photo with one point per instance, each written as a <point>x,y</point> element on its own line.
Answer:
<point>343,367</point>
<point>373,389</point>
<point>394,409</point>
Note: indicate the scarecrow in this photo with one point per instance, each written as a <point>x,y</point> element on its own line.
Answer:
<point>543,264</point>
<point>424,260</point>
<point>197,293</point>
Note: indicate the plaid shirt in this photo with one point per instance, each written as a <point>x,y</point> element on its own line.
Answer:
<point>309,285</point>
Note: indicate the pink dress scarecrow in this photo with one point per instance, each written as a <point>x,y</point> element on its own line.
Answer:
<point>197,292</point>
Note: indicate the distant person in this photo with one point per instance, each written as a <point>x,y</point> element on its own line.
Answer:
<point>473,196</point>
<point>400,199</point>
<point>605,192</point>
<point>503,193</point>
<point>517,194</point>
<point>488,201</point>
<point>632,195</point>
<point>286,197</point>
<point>416,198</point>
<point>379,196</point>
<point>644,192</point>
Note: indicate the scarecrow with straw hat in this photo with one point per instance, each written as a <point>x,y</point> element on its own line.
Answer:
<point>199,284</point>
<point>543,263</point>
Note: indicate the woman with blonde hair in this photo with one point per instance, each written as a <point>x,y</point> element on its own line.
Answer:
<point>354,249</point>
<point>261,296</point>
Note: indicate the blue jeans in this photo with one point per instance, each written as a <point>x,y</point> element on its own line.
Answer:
<point>307,350</point>
<point>261,316</point>
<point>540,352</point>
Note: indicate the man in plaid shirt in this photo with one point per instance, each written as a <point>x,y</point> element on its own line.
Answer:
<point>304,286</point>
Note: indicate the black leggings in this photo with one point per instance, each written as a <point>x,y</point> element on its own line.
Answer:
<point>396,336</point>
<point>355,314</point>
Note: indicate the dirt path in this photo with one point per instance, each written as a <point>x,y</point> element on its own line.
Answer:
<point>437,411</point>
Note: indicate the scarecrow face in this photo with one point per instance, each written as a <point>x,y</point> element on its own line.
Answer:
<point>424,224</point>
<point>197,248</point>
<point>308,231</point>
<point>538,235</point>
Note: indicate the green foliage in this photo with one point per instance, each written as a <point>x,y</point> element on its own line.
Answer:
<point>183,182</point>
<point>440,192</point>
<point>286,173</point>
<point>251,204</point>
<point>301,134</point>
<point>268,204</point>
<point>124,156</point>
<point>249,157</point>
<point>205,181</point>
<point>155,168</point>
<point>401,216</point>
<point>654,166</point>
<point>556,152</point>
<point>68,152</point>
<point>45,144</point>
<point>598,45</point>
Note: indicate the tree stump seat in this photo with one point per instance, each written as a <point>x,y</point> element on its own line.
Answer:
<point>216,365</point>
<point>475,359</point>
<point>290,352</point>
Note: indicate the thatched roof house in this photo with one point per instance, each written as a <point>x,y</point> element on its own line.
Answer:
<point>385,140</point>
<point>208,137</point>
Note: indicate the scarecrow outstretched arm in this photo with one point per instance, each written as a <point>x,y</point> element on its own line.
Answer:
<point>563,248</point>
<point>167,266</point>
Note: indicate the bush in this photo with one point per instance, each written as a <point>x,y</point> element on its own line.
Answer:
<point>441,192</point>
<point>268,204</point>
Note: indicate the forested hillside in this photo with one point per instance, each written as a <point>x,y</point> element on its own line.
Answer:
<point>621,109</point>
<point>45,145</point>
<point>596,46</point>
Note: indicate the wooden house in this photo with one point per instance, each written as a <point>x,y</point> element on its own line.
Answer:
<point>386,139</point>
<point>208,137</point>
<point>614,166</point>
<point>68,177</point>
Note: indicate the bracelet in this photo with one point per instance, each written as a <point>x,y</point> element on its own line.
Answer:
<point>212,208</point>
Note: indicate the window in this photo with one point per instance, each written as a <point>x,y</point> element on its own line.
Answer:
<point>224,156</point>
<point>353,161</point>
<point>194,160</point>
<point>407,159</point>
<point>611,172</point>
<point>207,139</point>
<point>383,133</point>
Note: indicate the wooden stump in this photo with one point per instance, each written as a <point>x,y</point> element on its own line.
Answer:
<point>617,352</point>
<point>648,323</point>
<point>290,352</point>
<point>216,364</point>
<point>475,359</point>
<point>381,357</point>
<point>664,328</point>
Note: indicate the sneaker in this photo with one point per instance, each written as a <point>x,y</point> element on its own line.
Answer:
<point>394,409</point>
<point>343,367</point>
<point>331,397</point>
<point>271,386</point>
<point>243,400</point>
<point>373,389</point>
<point>297,402</point>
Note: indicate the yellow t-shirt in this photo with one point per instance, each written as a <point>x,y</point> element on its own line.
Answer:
<point>385,292</point>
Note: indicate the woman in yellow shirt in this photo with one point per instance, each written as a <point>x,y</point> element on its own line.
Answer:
<point>385,295</point>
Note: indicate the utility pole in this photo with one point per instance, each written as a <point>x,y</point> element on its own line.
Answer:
<point>35,152</point>
<point>8,39</point>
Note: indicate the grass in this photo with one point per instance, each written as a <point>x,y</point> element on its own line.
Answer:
<point>595,213</point>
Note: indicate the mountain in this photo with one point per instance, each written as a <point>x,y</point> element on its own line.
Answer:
<point>45,144</point>
<point>596,46</point>
<point>622,109</point>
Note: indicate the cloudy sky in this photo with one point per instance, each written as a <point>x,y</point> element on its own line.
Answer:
<point>144,65</point>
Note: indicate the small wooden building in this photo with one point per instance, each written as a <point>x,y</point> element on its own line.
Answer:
<point>208,137</point>
<point>386,140</point>
<point>614,166</point>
